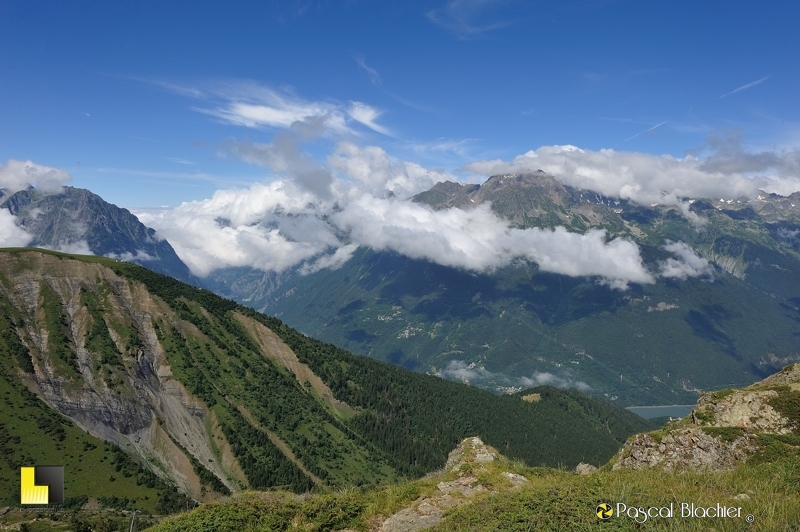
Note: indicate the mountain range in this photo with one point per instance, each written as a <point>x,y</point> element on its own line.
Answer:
<point>721,309</point>
<point>718,305</point>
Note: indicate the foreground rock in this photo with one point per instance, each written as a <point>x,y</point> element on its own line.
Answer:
<point>467,461</point>
<point>724,430</point>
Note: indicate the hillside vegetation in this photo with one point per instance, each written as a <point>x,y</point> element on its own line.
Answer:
<point>213,398</point>
<point>741,453</point>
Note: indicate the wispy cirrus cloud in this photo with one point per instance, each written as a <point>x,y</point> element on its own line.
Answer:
<point>467,18</point>
<point>648,130</point>
<point>460,147</point>
<point>367,116</point>
<point>182,178</point>
<point>745,87</point>
<point>179,160</point>
<point>623,120</point>
<point>258,106</point>
<point>374,77</point>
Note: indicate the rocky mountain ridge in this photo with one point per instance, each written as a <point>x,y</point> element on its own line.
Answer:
<point>78,221</point>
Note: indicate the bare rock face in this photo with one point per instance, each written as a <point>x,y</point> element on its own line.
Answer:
<point>746,409</point>
<point>722,430</point>
<point>689,448</point>
<point>585,469</point>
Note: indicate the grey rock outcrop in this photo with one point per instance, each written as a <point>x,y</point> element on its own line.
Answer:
<point>689,448</point>
<point>585,469</point>
<point>133,403</point>
<point>721,432</point>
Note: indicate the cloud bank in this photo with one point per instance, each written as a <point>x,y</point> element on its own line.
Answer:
<point>660,179</point>
<point>315,216</point>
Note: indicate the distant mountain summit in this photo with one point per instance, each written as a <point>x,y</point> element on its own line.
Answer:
<point>529,200</point>
<point>541,200</point>
<point>78,221</point>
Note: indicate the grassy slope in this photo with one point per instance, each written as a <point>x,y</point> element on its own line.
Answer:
<point>553,500</point>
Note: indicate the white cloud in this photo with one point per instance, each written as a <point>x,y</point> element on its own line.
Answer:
<point>360,199</point>
<point>376,172</point>
<point>267,227</point>
<point>367,115</point>
<point>278,226</point>
<point>688,264</point>
<point>140,255</point>
<point>11,234</point>
<point>18,175</point>
<point>283,156</point>
<point>459,370</point>
<point>640,177</point>
<point>254,105</point>
<point>478,240</point>
<point>78,247</point>
<point>333,262</point>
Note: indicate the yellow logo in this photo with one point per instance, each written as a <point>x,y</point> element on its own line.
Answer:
<point>604,511</point>
<point>42,485</point>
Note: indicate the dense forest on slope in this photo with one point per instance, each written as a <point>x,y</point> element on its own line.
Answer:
<point>416,419</point>
<point>731,452</point>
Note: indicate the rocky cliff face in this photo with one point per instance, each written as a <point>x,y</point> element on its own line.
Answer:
<point>127,396</point>
<point>725,429</point>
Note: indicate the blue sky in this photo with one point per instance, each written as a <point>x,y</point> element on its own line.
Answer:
<point>155,103</point>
